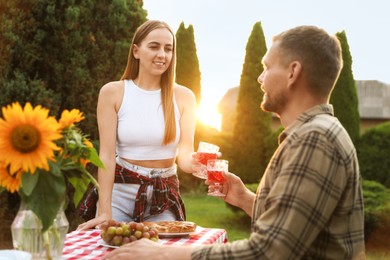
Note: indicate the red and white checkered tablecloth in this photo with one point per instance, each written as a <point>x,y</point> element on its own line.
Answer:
<point>86,244</point>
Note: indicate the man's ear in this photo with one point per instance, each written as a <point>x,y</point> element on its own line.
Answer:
<point>135,51</point>
<point>295,70</point>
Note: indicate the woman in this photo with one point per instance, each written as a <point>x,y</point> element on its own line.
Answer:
<point>145,121</point>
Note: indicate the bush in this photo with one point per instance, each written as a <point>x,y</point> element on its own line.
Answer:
<point>376,198</point>
<point>373,151</point>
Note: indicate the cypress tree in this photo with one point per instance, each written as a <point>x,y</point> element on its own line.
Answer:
<point>252,130</point>
<point>59,53</point>
<point>344,96</point>
<point>188,74</point>
<point>187,63</point>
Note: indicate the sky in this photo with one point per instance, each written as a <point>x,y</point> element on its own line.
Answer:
<point>222,29</point>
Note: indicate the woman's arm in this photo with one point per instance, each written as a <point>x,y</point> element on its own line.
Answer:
<point>186,101</point>
<point>109,101</point>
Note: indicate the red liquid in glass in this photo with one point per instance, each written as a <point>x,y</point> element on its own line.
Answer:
<point>204,157</point>
<point>215,176</point>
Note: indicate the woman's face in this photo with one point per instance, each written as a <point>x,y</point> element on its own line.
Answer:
<point>155,52</point>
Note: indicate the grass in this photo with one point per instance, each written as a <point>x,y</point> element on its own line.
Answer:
<point>377,255</point>
<point>208,211</point>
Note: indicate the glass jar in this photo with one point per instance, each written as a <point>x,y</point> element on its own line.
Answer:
<point>27,234</point>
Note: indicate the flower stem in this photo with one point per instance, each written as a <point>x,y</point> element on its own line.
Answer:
<point>47,245</point>
<point>93,180</point>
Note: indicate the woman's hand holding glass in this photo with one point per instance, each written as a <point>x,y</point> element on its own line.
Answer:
<point>206,151</point>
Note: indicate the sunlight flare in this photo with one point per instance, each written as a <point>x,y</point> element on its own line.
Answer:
<point>208,114</point>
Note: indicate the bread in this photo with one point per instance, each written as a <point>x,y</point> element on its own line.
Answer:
<point>172,226</point>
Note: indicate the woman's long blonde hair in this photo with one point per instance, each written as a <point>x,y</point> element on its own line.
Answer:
<point>167,78</point>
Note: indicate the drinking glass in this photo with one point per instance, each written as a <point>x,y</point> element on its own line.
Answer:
<point>206,151</point>
<point>215,169</point>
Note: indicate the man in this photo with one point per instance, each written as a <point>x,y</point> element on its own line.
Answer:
<point>309,204</point>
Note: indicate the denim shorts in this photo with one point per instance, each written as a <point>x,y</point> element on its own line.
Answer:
<point>123,195</point>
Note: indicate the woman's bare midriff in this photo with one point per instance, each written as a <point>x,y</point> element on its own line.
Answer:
<point>165,163</point>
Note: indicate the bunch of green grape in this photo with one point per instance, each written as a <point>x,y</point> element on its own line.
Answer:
<point>117,234</point>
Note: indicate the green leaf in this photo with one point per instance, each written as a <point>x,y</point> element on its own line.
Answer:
<point>70,165</point>
<point>29,181</point>
<point>95,159</point>
<point>47,196</point>
<point>80,185</point>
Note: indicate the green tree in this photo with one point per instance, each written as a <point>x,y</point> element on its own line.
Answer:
<point>188,74</point>
<point>344,96</point>
<point>252,131</point>
<point>187,63</point>
<point>59,53</point>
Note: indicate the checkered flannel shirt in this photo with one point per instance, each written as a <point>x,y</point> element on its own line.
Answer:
<point>309,203</point>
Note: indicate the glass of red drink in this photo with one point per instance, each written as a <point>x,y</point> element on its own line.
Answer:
<point>215,170</point>
<point>206,151</point>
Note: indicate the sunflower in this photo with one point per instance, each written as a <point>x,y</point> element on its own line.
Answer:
<point>27,137</point>
<point>68,118</point>
<point>10,182</point>
<point>88,144</point>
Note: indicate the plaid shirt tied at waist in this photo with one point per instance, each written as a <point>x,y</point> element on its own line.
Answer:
<point>165,195</point>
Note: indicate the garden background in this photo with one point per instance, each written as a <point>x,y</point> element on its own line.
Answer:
<point>59,53</point>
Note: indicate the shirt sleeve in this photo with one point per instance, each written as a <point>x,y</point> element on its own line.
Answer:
<point>306,184</point>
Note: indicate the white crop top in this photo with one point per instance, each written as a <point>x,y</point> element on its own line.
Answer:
<point>141,125</point>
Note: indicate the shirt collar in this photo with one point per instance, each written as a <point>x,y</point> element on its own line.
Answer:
<point>305,117</point>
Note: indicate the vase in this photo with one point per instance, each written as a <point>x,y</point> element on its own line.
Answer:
<point>27,234</point>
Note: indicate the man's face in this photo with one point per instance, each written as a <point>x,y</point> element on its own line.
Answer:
<point>273,82</point>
